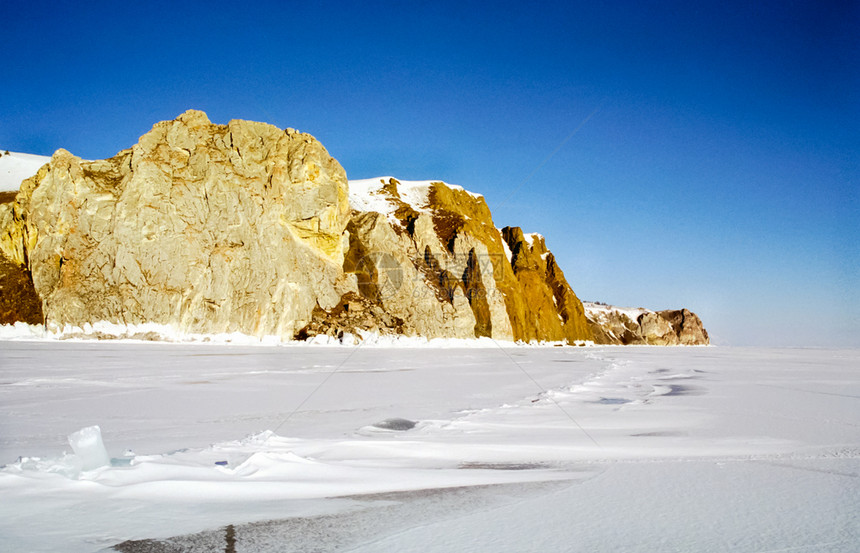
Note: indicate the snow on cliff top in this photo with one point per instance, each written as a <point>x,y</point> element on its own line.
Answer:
<point>598,309</point>
<point>530,237</point>
<point>364,194</point>
<point>15,167</point>
<point>367,194</point>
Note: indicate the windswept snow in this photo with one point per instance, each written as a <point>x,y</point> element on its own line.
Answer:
<point>367,194</point>
<point>600,310</point>
<point>473,449</point>
<point>15,167</point>
<point>530,238</point>
<point>508,253</point>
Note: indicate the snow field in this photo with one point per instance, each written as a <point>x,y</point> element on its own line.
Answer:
<point>583,449</point>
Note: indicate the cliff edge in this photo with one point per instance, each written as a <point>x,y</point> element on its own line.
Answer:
<point>638,326</point>
<point>249,228</point>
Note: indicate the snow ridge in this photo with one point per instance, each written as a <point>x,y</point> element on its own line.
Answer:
<point>368,194</point>
<point>15,167</point>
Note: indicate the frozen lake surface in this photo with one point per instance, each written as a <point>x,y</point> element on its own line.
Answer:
<point>318,448</point>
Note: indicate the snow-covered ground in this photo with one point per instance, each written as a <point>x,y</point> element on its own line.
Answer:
<point>15,167</point>
<point>333,448</point>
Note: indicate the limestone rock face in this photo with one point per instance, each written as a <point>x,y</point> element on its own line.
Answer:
<point>551,309</point>
<point>213,228</point>
<point>657,331</point>
<point>18,298</point>
<point>392,273</point>
<point>430,255</point>
<point>615,326</point>
<point>687,326</point>
<point>411,255</point>
<point>248,228</point>
<point>637,326</point>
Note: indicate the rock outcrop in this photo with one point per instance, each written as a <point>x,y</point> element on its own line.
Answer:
<point>18,298</point>
<point>430,255</point>
<point>687,326</point>
<point>211,228</point>
<point>248,228</point>
<point>638,326</point>
<point>549,304</point>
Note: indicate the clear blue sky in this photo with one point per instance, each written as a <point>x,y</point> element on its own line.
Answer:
<point>718,169</point>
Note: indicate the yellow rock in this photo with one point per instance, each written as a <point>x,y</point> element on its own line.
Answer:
<point>248,228</point>
<point>213,228</point>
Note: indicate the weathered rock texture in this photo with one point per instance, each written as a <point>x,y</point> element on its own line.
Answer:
<point>687,326</point>
<point>637,326</point>
<point>429,255</point>
<point>549,304</point>
<point>212,228</point>
<point>248,228</point>
<point>18,298</point>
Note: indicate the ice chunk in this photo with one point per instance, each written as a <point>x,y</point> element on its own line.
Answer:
<point>89,448</point>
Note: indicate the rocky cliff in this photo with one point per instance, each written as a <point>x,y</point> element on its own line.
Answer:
<point>638,326</point>
<point>211,228</point>
<point>429,255</point>
<point>18,298</point>
<point>248,228</point>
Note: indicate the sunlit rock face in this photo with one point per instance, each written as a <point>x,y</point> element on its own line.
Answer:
<point>638,326</point>
<point>430,254</point>
<point>550,307</point>
<point>249,228</point>
<point>212,228</point>
<point>687,325</point>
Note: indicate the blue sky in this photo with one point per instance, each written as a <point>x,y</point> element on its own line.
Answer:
<point>717,167</point>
